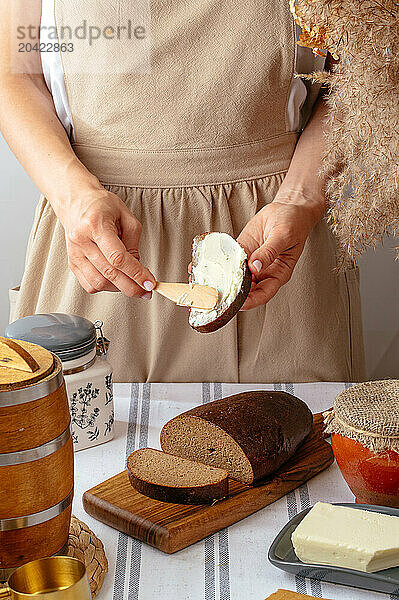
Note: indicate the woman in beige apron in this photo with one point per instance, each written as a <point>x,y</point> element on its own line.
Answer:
<point>198,141</point>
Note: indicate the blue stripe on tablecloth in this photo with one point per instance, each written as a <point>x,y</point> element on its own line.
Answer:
<point>224,565</point>
<point>135,567</point>
<point>217,391</point>
<point>292,509</point>
<point>206,393</point>
<point>135,560</point>
<point>223,536</point>
<point>121,553</point>
<point>209,569</point>
<point>304,499</point>
<point>136,424</point>
<point>209,542</point>
<point>292,506</point>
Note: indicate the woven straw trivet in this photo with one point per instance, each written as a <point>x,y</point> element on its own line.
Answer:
<point>85,545</point>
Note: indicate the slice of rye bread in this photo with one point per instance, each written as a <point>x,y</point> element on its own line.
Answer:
<point>250,434</point>
<point>173,479</point>
<point>230,311</point>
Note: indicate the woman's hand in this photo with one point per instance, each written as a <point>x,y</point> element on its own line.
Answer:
<point>102,238</point>
<point>274,239</point>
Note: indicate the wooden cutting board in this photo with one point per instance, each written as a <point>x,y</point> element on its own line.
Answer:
<point>171,527</point>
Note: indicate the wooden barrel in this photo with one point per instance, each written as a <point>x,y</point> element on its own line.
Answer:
<point>36,455</point>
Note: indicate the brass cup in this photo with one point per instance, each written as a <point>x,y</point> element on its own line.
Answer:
<point>55,578</point>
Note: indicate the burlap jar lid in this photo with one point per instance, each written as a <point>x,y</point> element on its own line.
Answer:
<point>368,413</point>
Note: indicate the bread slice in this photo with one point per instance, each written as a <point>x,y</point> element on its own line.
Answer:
<point>250,435</point>
<point>219,261</point>
<point>173,479</point>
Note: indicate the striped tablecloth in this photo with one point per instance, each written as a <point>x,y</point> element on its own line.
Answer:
<point>230,565</point>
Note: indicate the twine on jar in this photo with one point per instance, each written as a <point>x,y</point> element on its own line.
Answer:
<point>371,404</point>
<point>330,417</point>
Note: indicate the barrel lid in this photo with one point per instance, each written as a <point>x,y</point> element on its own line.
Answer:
<point>22,364</point>
<point>67,336</point>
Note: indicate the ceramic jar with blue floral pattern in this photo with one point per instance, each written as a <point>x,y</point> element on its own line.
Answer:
<point>82,348</point>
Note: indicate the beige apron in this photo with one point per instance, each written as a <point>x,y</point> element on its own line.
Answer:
<point>198,144</point>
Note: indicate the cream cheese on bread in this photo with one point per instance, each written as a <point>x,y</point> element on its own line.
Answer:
<point>219,263</point>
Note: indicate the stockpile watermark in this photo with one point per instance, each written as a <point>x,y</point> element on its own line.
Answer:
<point>93,42</point>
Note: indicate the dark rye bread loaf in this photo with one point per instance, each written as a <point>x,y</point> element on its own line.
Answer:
<point>250,435</point>
<point>172,479</point>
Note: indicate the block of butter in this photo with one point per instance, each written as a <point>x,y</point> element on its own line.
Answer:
<point>347,537</point>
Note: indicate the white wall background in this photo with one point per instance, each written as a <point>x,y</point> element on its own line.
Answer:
<point>379,271</point>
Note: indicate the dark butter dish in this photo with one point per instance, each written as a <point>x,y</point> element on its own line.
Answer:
<point>282,555</point>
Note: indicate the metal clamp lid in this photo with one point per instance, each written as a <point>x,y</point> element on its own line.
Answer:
<point>102,342</point>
